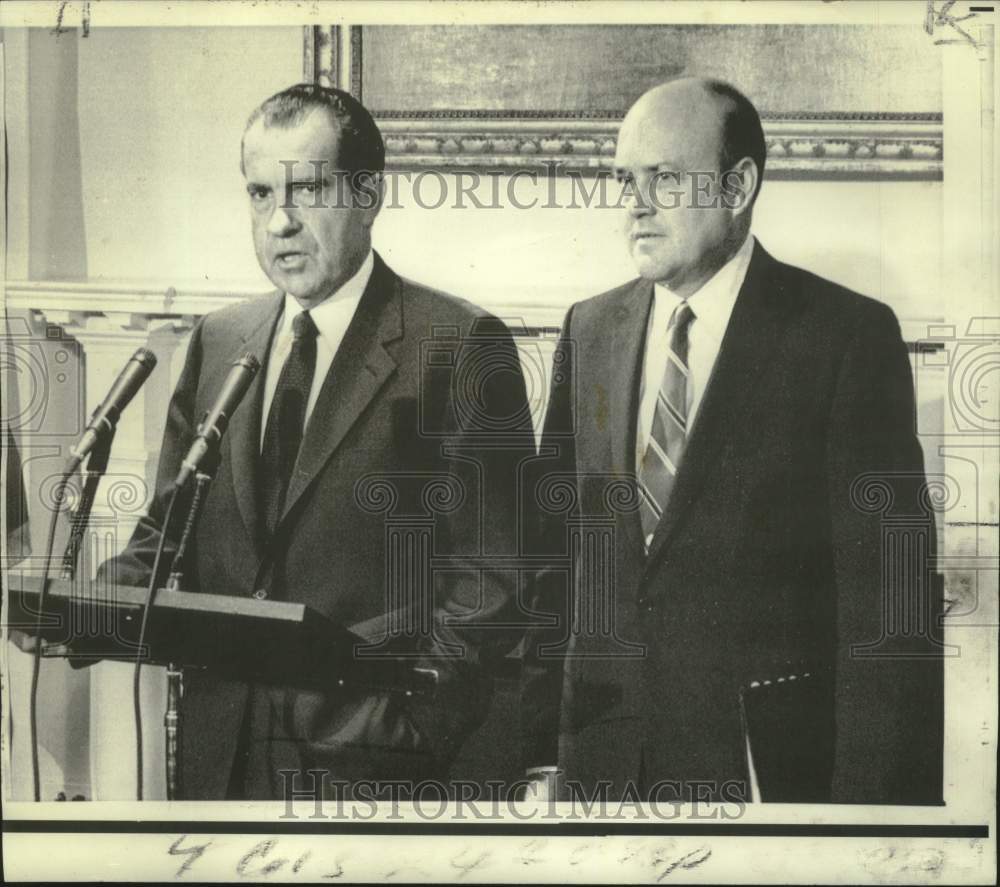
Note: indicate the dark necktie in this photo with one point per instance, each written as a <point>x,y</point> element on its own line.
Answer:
<point>669,432</point>
<point>286,421</point>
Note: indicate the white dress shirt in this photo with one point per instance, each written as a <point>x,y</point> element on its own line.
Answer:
<point>712,306</point>
<point>332,317</point>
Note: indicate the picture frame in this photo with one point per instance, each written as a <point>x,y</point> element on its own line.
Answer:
<point>537,118</point>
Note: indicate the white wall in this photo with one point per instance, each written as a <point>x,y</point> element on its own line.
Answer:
<point>882,238</point>
<point>161,113</point>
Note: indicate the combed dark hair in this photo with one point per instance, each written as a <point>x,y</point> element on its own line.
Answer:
<point>360,146</point>
<point>742,133</point>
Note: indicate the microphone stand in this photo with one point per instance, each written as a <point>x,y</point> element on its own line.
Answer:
<point>175,675</point>
<point>97,464</point>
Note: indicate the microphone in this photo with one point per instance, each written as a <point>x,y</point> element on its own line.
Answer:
<point>214,424</point>
<point>105,417</point>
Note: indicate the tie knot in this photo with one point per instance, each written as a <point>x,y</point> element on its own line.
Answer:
<point>683,315</point>
<point>303,326</point>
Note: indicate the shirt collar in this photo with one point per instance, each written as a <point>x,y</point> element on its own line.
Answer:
<point>713,303</point>
<point>328,313</point>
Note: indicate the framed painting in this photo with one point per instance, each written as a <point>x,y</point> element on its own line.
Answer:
<point>515,96</point>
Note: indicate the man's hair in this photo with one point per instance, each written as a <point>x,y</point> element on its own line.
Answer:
<point>359,143</point>
<point>742,133</point>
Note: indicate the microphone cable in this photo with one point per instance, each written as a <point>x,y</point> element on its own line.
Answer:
<point>36,653</point>
<point>146,607</point>
<point>209,433</point>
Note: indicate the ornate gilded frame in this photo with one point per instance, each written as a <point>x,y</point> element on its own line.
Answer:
<point>800,144</point>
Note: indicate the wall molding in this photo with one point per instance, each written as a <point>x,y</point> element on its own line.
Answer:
<point>120,297</point>
<point>137,307</point>
<point>801,145</point>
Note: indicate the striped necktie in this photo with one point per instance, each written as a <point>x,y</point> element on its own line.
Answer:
<point>669,432</point>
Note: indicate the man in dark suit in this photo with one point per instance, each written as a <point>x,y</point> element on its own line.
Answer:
<point>384,429</point>
<point>728,442</point>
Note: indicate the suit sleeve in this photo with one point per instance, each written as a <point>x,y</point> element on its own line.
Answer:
<point>542,670</point>
<point>487,437</point>
<point>134,565</point>
<point>888,688</point>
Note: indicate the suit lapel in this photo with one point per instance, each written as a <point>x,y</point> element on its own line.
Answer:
<point>627,347</point>
<point>359,370</point>
<point>243,435</point>
<point>751,340</point>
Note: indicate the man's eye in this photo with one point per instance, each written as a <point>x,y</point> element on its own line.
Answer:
<point>305,187</point>
<point>259,194</point>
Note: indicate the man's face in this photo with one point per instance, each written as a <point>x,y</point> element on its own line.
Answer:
<point>310,236</point>
<point>677,220</point>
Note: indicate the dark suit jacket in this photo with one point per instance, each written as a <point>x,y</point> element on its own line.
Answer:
<point>771,604</point>
<point>425,388</point>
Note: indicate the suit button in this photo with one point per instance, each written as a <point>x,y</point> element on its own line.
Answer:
<point>260,594</point>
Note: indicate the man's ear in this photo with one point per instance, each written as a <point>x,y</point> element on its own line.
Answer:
<point>739,185</point>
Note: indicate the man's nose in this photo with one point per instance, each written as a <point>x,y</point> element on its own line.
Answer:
<point>283,221</point>
<point>637,201</point>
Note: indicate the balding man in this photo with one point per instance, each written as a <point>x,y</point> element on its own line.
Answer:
<point>726,417</point>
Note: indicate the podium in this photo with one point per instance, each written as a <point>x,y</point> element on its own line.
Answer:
<point>257,641</point>
<point>260,641</point>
